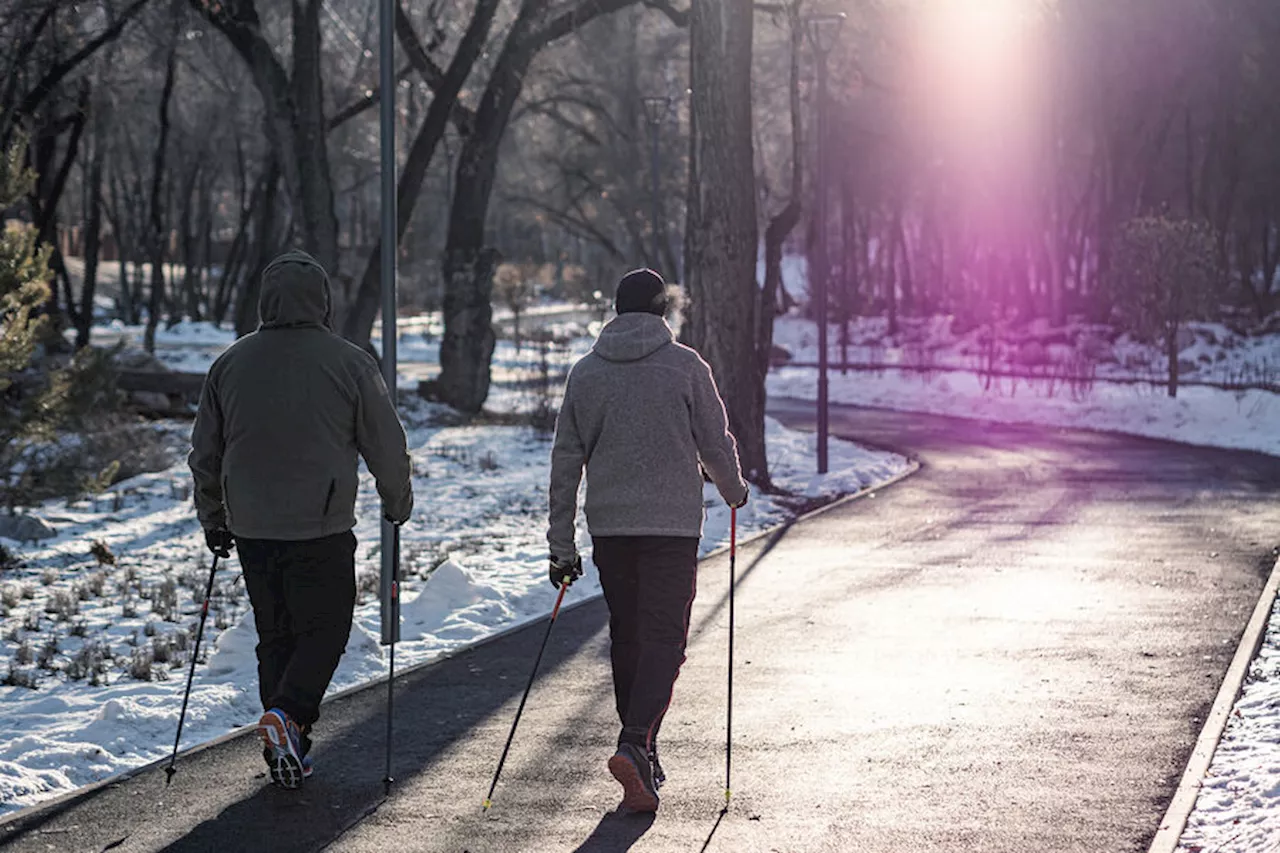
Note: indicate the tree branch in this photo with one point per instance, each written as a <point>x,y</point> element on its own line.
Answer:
<point>21,55</point>
<point>554,115</point>
<point>463,118</point>
<point>370,100</point>
<point>581,227</point>
<point>54,75</point>
<point>679,17</point>
<point>584,12</point>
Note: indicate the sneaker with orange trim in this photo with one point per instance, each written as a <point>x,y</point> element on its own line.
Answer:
<point>282,749</point>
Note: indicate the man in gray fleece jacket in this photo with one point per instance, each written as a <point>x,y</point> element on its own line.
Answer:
<point>642,415</point>
<point>283,414</point>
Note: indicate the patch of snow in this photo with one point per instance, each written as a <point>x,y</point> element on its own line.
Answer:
<point>1239,803</point>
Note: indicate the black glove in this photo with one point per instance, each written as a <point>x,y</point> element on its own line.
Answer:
<point>564,571</point>
<point>220,541</point>
<point>740,504</point>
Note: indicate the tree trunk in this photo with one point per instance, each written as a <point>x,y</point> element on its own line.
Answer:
<point>468,341</point>
<point>357,326</point>
<point>885,272</point>
<point>311,153</point>
<point>293,113</point>
<point>187,302</point>
<point>93,231</point>
<point>781,226</point>
<point>720,233</point>
<point>1171,351</point>
<point>124,248</point>
<point>467,345</point>
<point>263,246</point>
<point>157,241</point>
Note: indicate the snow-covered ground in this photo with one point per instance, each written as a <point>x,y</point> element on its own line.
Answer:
<point>1239,804</point>
<point>105,637</point>
<point>1238,810</point>
<point>1198,415</point>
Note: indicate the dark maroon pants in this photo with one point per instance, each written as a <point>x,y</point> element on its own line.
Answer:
<point>649,583</point>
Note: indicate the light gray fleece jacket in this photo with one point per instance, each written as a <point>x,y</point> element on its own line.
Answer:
<point>640,412</point>
<point>283,414</point>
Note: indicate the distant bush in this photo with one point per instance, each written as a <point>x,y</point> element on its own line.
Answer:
<point>92,661</point>
<point>20,678</point>
<point>141,666</point>
<point>1166,273</point>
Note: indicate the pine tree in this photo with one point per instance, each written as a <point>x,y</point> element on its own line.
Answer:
<point>38,397</point>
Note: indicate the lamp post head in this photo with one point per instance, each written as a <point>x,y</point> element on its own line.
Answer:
<point>823,31</point>
<point>655,108</point>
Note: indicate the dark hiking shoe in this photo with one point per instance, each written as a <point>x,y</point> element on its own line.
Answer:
<point>630,766</point>
<point>659,778</point>
<point>282,748</point>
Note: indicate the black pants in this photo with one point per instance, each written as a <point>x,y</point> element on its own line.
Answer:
<point>649,583</point>
<point>303,594</point>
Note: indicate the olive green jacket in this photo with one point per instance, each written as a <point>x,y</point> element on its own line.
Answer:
<point>283,415</point>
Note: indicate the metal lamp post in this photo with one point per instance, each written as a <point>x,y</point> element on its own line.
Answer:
<point>389,586</point>
<point>823,30</point>
<point>655,111</point>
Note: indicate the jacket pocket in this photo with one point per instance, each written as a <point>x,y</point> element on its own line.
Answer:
<point>328,498</point>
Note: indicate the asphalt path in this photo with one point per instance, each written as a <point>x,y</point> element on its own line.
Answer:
<point>1011,650</point>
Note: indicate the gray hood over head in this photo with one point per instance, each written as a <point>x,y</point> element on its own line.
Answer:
<point>632,336</point>
<point>295,292</point>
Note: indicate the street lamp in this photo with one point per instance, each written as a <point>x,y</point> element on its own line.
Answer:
<point>823,31</point>
<point>656,108</point>
<point>389,580</point>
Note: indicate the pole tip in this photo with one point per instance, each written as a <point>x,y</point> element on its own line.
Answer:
<point>488,802</point>
<point>168,774</point>
<point>386,785</point>
<point>727,795</point>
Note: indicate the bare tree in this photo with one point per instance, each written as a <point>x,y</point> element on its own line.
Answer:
<point>720,234</point>
<point>157,235</point>
<point>1166,273</point>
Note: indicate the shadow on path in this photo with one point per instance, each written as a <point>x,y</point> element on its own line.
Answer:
<point>616,833</point>
<point>458,694</point>
<point>712,834</point>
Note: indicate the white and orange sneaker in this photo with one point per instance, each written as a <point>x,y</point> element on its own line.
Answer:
<point>282,749</point>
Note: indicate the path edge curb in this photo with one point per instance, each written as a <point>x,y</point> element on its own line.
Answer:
<point>1174,823</point>
<point>13,822</point>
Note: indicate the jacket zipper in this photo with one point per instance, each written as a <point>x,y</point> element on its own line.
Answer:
<point>226,502</point>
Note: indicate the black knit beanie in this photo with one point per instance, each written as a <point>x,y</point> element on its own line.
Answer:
<point>641,290</point>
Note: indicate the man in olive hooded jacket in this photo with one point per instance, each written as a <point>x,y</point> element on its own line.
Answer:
<point>283,414</point>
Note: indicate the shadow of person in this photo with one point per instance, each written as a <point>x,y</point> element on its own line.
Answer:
<point>616,832</point>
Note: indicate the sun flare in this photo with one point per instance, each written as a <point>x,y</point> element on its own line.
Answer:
<point>978,83</point>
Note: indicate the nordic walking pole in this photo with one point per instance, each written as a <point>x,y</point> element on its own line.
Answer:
<point>728,736</point>
<point>564,584</point>
<point>387,779</point>
<point>191,672</point>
